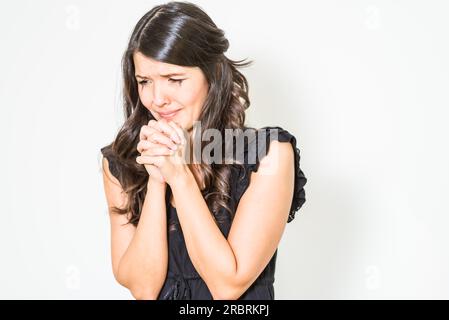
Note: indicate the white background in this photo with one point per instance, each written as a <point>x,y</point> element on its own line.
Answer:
<point>363,85</point>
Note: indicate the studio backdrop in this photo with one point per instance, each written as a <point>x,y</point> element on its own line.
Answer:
<point>363,85</point>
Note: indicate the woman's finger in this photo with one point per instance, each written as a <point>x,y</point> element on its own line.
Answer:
<point>155,136</point>
<point>179,131</point>
<point>154,160</point>
<point>161,138</point>
<point>143,145</point>
<point>168,130</point>
<point>152,123</point>
<point>157,151</point>
<point>146,132</point>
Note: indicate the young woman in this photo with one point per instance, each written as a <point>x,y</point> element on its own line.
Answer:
<point>207,229</point>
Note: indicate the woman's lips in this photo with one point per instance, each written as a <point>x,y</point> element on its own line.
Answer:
<point>169,115</point>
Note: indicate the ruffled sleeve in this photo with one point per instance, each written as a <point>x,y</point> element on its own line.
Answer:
<point>113,167</point>
<point>258,148</point>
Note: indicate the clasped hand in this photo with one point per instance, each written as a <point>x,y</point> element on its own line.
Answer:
<point>162,149</point>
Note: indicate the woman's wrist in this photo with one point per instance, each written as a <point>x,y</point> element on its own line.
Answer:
<point>153,183</point>
<point>182,179</point>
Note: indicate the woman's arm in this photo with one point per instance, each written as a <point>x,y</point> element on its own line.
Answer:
<point>229,266</point>
<point>139,254</point>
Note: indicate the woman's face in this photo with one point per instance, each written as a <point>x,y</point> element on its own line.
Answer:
<point>165,87</point>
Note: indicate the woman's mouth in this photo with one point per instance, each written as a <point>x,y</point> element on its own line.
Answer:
<point>169,115</point>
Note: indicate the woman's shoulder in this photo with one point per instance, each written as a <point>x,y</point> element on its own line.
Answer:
<point>108,153</point>
<point>257,147</point>
<point>269,133</point>
<point>256,142</point>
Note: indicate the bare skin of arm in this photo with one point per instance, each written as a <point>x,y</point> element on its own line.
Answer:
<point>139,254</point>
<point>229,266</point>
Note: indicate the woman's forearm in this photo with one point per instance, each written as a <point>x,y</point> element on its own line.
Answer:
<point>143,267</point>
<point>209,250</point>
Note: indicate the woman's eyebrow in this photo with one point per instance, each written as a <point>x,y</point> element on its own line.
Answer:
<point>164,75</point>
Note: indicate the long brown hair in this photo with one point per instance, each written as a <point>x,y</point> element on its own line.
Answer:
<point>179,33</point>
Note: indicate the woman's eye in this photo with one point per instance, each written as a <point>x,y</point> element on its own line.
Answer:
<point>143,82</point>
<point>176,80</point>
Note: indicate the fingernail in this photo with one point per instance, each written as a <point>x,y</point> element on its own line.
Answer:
<point>174,147</point>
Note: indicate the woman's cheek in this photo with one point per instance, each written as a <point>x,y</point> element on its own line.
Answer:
<point>146,101</point>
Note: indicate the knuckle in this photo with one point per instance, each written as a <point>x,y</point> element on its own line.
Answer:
<point>160,137</point>
<point>144,129</point>
<point>156,138</point>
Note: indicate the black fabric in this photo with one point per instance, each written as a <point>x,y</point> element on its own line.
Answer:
<point>183,281</point>
<point>260,147</point>
<point>113,163</point>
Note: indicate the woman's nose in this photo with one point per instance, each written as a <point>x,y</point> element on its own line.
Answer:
<point>159,96</point>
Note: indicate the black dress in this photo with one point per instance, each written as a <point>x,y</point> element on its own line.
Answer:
<point>183,281</point>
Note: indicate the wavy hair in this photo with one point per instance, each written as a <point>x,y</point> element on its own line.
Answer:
<point>179,33</point>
